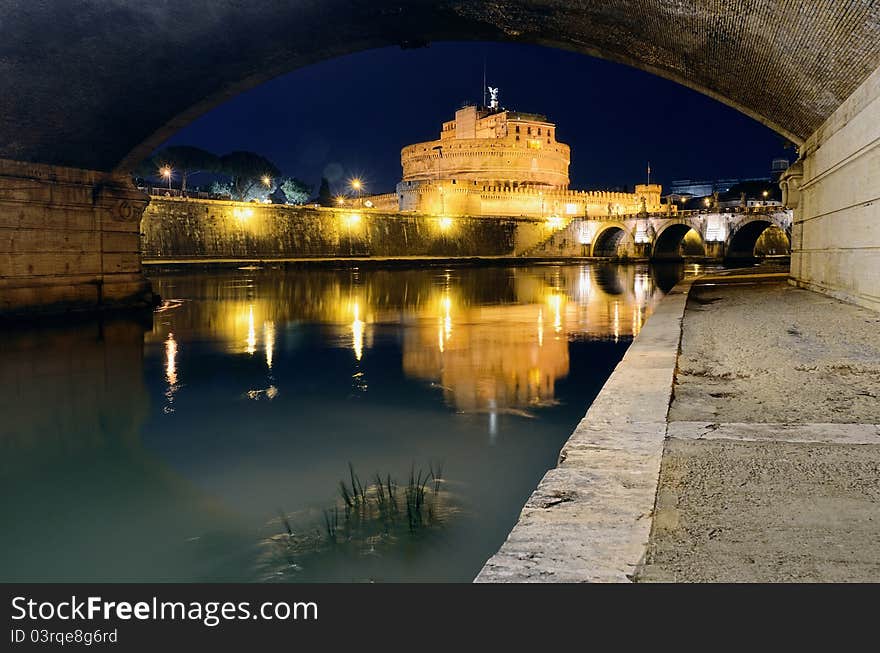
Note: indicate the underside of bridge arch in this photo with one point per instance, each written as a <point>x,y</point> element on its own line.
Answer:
<point>676,242</point>
<point>95,86</point>
<point>608,242</point>
<point>774,241</point>
<point>89,88</point>
<point>741,245</point>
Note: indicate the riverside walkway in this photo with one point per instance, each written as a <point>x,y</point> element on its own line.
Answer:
<point>763,464</point>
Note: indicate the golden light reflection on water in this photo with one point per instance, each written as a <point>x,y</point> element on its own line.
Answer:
<point>170,372</point>
<point>358,326</point>
<point>269,341</point>
<point>251,346</point>
<point>483,343</point>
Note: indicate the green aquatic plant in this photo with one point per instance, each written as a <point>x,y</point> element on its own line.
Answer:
<point>366,519</point>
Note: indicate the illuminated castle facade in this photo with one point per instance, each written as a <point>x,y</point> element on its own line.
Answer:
<point>491,161</point>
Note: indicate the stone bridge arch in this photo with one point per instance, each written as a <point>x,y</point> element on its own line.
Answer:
<point>669,237</point>
<point>612,240</point>
<point>744,234</point>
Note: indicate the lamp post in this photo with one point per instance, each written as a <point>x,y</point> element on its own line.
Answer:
<point>165,171</point>
<point>356,185</point>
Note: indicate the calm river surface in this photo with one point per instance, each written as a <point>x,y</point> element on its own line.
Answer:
<point>190,448</point>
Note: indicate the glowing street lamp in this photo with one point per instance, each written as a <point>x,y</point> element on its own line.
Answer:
<point>340,200</point>
<point>267,181</point>
<point>357,186</point>
<point>165,171</point>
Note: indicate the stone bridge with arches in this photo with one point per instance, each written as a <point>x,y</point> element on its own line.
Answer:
<point>715,235</point>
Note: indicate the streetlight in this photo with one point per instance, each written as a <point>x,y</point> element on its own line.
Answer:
<point>267,181</point>
<point>165,171</point>
<point>356,185</point>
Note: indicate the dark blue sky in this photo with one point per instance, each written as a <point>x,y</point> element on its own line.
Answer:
<point>350,116</point>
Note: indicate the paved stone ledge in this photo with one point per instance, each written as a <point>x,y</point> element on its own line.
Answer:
<point>590,518</point>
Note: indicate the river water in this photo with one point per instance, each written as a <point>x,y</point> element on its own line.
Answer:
<point>212,440</point>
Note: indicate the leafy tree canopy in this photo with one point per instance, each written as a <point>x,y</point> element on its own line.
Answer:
<point>324,196</point>
<point>146,169</point>
<point>293,191</point>
<point>188,158</point>
<point>247,171</point>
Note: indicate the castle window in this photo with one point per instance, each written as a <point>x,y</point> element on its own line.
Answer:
<point>528,130</point>
<point>539,131</point>
<point>517,130</point>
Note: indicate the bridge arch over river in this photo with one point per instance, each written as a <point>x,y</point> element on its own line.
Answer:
<point>731,234</point>
<point>88,91</point>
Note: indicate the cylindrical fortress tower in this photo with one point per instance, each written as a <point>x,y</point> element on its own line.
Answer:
<point>500,148</point>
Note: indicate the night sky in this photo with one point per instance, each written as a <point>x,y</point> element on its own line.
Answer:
<point>350,116</point>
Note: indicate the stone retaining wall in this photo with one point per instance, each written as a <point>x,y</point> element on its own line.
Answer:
<point>180,228</point>
<point>590,518</point>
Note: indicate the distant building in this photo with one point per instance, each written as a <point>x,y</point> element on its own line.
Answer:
<point>688,188</point>
<point>497,162</point>
<point>684,189</point>
<point>777,167</point>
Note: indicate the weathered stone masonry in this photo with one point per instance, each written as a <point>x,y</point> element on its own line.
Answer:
<point>68,239</point>
<point>208,229</point>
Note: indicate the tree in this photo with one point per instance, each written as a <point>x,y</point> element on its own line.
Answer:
<point>324,196</point>
<point>248,173</point>
<point>187,161</point>
<point>223,188</point>
<point>293,191</point>
<point>146,169</point>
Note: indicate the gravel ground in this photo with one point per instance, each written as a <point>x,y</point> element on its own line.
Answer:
<point>735,510</point>
<point>755,512</point>
<point>773,353</point>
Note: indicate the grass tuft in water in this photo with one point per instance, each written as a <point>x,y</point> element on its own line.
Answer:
<point>367,519</point>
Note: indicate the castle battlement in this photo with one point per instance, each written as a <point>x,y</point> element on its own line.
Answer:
<point>497,162</point>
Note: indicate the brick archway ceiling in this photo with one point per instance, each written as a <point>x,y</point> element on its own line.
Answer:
<point>95,84</point>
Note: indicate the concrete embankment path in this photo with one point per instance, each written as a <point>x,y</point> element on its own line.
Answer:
<point>771,470</point>
<point>751,455</point>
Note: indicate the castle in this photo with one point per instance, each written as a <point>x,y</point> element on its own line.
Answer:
<point>491,161</point>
